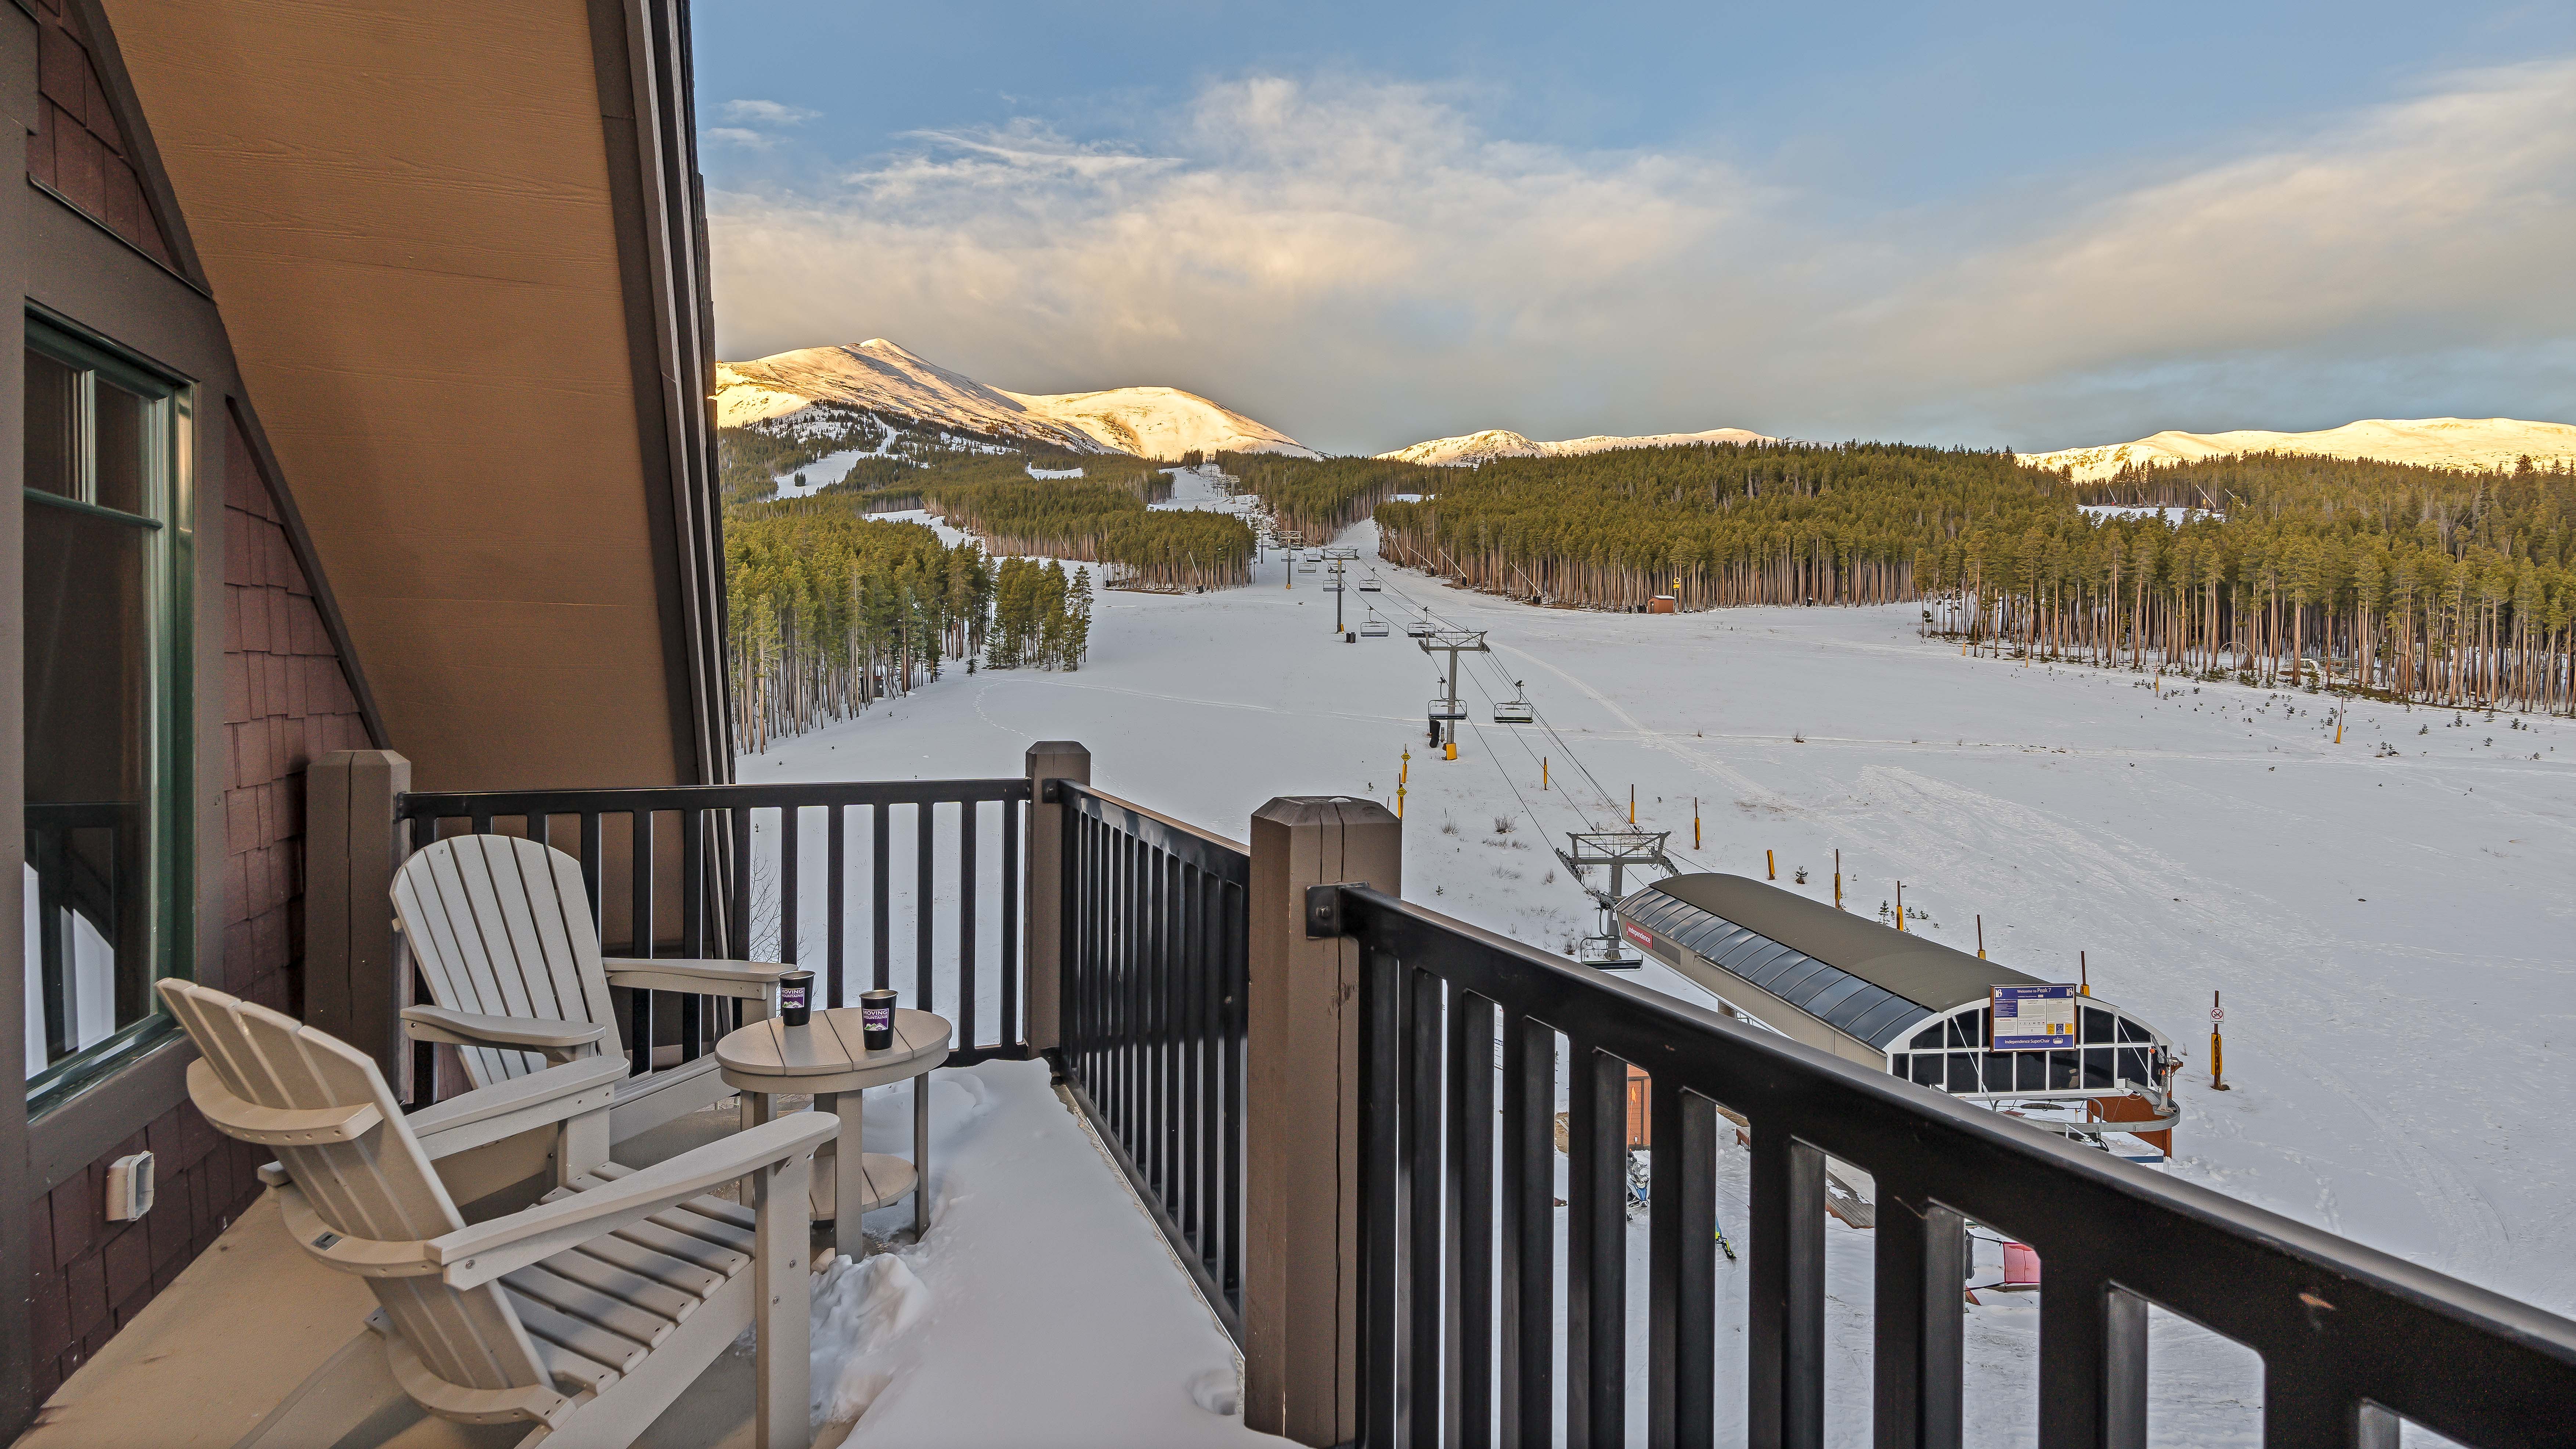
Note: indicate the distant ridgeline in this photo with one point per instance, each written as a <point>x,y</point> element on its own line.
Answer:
<point>2426,583</point>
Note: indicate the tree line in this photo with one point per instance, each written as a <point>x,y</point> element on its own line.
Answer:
<point>1102,517</point>
<point>2428,584</point>
<point>829,611</point>
<point>1711,525</point>
<point>1319,497</point>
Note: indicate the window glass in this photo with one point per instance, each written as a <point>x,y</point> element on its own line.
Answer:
<point>102,628</point>
<point>122,427</point>
<point>53,422</point>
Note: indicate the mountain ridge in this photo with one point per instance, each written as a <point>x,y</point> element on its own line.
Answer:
<point>2469,443</point>
<point>1469,449</point>
<point>884,378</point>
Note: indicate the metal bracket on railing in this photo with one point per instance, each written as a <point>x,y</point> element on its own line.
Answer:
<point>1051,791</point>
<point>1324,909</point>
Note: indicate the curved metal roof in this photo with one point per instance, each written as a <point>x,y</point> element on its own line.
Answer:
<point>1855,975</point>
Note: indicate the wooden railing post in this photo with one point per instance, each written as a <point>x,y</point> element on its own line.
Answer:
<point>350,965</point>
<point>1301,1310</point>
<point>1042,956</point>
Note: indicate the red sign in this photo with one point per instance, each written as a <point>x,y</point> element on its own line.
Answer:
<point>1639,935</point>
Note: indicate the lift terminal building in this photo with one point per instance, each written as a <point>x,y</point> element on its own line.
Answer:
<point>1921,1010</point>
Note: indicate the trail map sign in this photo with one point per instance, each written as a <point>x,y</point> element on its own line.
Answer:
<point>2033,1018</point>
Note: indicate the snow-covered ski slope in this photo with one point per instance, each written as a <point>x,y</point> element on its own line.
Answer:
<point>2391,934</point>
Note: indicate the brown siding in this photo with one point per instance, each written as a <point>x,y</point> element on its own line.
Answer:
<point>78,149</point>
<point>284,700</point>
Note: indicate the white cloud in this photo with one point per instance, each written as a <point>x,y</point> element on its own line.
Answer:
<point>1362,266</point>
<point>767,113</point>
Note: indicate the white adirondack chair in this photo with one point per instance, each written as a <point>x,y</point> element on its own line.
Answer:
<point>583,1316</point>
<point>502,930</point>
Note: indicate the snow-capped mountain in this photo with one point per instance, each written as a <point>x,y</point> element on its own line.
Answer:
<point>905,390</point>
<point>1469,449</point>
<point>2435,442</point>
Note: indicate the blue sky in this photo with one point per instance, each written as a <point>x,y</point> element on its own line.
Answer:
<point>2039,225</point>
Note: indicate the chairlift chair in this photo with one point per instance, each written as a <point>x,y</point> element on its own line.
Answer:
<point>1515,710</point>
<point>1374,628</point>
<point>1418,628</point>
<point>1370,585</point>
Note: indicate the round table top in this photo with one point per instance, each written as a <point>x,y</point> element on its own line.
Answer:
<point>828,1054</point>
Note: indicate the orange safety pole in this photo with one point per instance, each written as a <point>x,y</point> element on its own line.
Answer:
<point>1770,868</point>
<point>1838,880</point>
<point>2083,976</point>
<point>1900,905</point>
<point>1981,938</point>
<point>2217,1049</point>
<point>1694,822</point>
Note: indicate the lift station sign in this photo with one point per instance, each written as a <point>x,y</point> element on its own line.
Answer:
<point>2033,1018</point>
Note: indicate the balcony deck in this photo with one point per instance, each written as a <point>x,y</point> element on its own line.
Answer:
<point>1043,1305</point>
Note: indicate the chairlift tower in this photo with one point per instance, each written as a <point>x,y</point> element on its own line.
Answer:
<point>1617,850</point>
<point>1452,642</point>
<point>1337,557</point>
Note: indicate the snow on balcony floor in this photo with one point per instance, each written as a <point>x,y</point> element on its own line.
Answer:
<point>1043,1306</point>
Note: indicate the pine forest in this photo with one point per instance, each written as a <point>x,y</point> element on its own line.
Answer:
<point>2402,581</point>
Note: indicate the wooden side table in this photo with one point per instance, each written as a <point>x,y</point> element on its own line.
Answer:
<point>828,1058</point>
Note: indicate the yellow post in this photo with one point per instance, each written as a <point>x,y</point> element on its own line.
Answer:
<point>2083,976</point>
<point>1399,802</point>
<point>1632,804</point>
<point>1453,749</point>
<point>1838,880</point>
<point>1981,938</point>
<point>1770,867</point>
<point>1900,905</point>
<point>1694,822</point>
<point>1542,772</point>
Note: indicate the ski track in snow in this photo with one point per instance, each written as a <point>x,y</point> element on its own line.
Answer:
<point>2388,932</point>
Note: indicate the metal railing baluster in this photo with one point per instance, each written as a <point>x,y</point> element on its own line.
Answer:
<point>1467,1408</point>
<point>1528,1232</point>
<point>791,831</point>
<point>881,885</point>
<point>1596,1251</point>
<point>1423,1207</point>
<point>836,899</point>
<point>925,886</point>
<point>1011,920</point>
<point>966,912</point>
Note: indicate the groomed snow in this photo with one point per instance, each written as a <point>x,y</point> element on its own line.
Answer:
<point>2390,933</point>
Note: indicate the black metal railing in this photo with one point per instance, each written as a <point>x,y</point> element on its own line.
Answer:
<point>1155,921</point>
<point>729,871</point>
<point>1458,1272</point>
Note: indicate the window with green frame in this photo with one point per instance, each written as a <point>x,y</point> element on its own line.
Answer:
<point>106,700</point>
